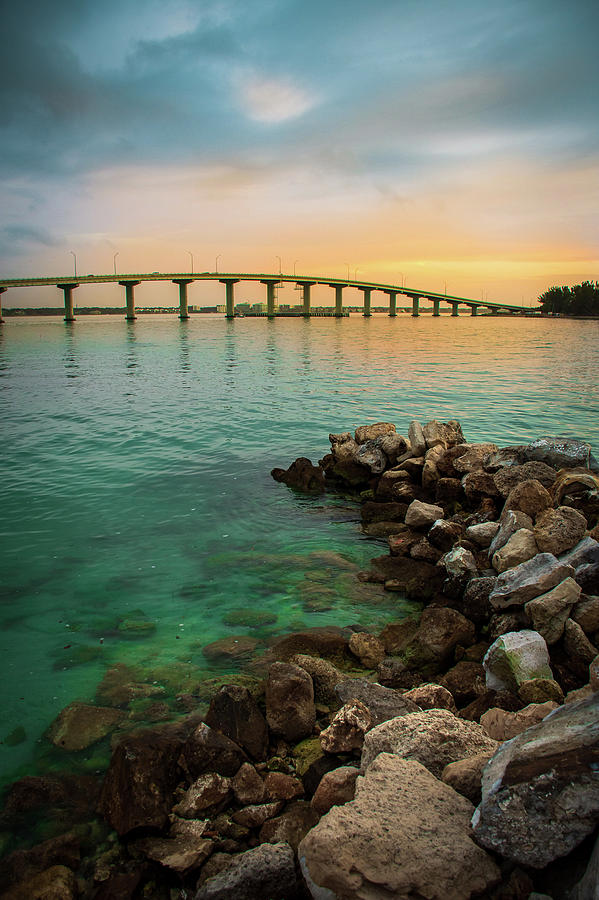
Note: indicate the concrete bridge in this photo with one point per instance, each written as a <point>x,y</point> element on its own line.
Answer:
<point>305,283</point>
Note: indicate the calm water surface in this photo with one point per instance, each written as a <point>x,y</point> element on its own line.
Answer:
<point>139,518</point>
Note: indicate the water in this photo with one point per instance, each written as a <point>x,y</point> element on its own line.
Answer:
<point>139,519</point>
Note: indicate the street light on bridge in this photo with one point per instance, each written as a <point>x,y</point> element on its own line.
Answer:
<point>280,265</point>
<point>74,255</point>
<point>216,264</point>
<point>347,264</point>
<point>191,257</point>
<point>114,261</point>
<point>295,262</point>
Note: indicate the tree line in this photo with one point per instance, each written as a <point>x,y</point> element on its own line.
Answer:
<point>578,300</point>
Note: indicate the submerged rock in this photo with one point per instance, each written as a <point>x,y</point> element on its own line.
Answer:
<point>302,475</point>
<point>80,725</point>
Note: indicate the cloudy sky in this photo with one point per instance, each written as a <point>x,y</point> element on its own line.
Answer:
<point>449,142</point>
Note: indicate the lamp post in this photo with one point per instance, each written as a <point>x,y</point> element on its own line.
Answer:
<point>401,273</point>
<point>355,273</point>
<point>295,262</point>
<point>347,264</point>
<point>191,257</point>
<point>114,261</point>
<point>216,263</point>
<point>74,255</point>
<point>280,265</point>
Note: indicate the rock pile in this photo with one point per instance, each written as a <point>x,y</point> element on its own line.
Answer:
<point>455,754</point>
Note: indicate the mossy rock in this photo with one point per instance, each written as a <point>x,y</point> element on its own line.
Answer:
<point>134,628</point>
<point>250,618</point>
<point>78,656</point>
<point>208,687</point>
<point>306,753</point>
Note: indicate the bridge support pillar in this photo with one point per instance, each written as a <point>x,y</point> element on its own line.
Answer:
<point>229,296</point>
<point>270,297</point>
<point>474,310</point>
<point>454,309</point>
<point>436,304</point>
<point>367,292</point>
<point>130,298</point>
<point>338,299</point>
<point>67,290</point>
<point>2,291</point>
<point>392,303</point>
<point>415,307</point>
<point>183,282</point>
<point>306,285</point>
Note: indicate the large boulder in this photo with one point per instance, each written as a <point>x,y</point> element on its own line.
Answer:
<point>367,648</point>
<point>234,712</point>
<point>207,750</point>
<point>559,530</point>
<point>559,452</point>
<point>325,676</point>
<point>416,438</point>
<point>514,658</point>
<point>138,787</point>
<point>371,456</point>
<point>443,434</point>
<point>503,725</point>
<point>435,738</point>
<point>404,835</point>
<point>347,729</point>
<point>507,477</point>
<point>55,883</point>
<point>529,497</point>
<point>186,848</point>
<point>549,612</point>
<point>290,710</point>
<point>510,522</point>
<point>265,873</point>
<point>79,725</point>
<point>540,795</point>
<point>366,433</point>
<point>441,629</point>
<point>530,579</point>
<point>335,788</point>
<point>473,458</point>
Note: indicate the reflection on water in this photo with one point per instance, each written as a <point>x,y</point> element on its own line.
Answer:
<point>139,517</point>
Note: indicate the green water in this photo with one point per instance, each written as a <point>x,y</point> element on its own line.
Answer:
<point>136,490</point>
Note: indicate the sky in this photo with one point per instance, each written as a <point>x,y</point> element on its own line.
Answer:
<point>446,144</point>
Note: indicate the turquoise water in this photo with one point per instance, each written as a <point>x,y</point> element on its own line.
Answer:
<point>136,489</point>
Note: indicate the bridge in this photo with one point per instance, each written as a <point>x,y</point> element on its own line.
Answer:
<point>271,281</point>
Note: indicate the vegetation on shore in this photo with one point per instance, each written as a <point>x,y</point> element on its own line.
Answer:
<point>578,300</point>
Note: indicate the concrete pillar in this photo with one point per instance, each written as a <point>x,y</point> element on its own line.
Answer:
<point>270,296</point>
<point>306,285</point>
<point>183,282</point>
<point>392,303</point>
<point>130,298</point>
<point>229,296</point>
<point>338,298</point>
<point>2,290</point>
<point>67,290</point>
<point>436,304</point>
<point>415,307</point>
<point>474,310</point>
<point>454,309</point>
<point>367,292</point>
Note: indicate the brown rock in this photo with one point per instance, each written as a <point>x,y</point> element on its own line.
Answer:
<point>448,490</point>
<point>520,547</point>
<point>586,614</point>
<point>367,648</point>
<point>79,725</point>
<point>279,786</point>
<point>425,551</point>
<point>465,682</point>
<point>508,477</point>
<point>396,636</point>
<point>292,826</point>
<point>346,731</point>
<point>441,629</point>
<point>530,497</point>
<point>422,515</point>
<point>473,458</point>
<point>393,446</point>
<point>558,530</point>
<point>549,612</point>
<point>209,750</point>
<point>477,485</point>
<point>371,432</point>
<point>138,788</point>
<point>384,488</point>
<point>443,434</point>
<point>19,865</point>
<point>405,834</point>
<point>579,649</point>
<point>56,883</point>
<point>381,702</point>
<point>336,788</point>
<point>503,726</point>
<point>372,511</point>
<point>432,696</point>
<point>465,776</point>
<point>256,815</point>
<point>444,534</point>
<point>248,787</point>
<point>434,738</point>
<point>184,850</point>
<point>594,674</point>
<point>263,873</point>
<point>502,699</point>
<point>324,676</point>
<point>207,792</point>
<point>402,539</point>
<point>302,476</point>
<point>234,712</point>
<point>290,711</point>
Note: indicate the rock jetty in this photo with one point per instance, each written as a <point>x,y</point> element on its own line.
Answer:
<point>454,754</point>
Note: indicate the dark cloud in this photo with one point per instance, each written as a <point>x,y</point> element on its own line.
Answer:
<point>22,238</point>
